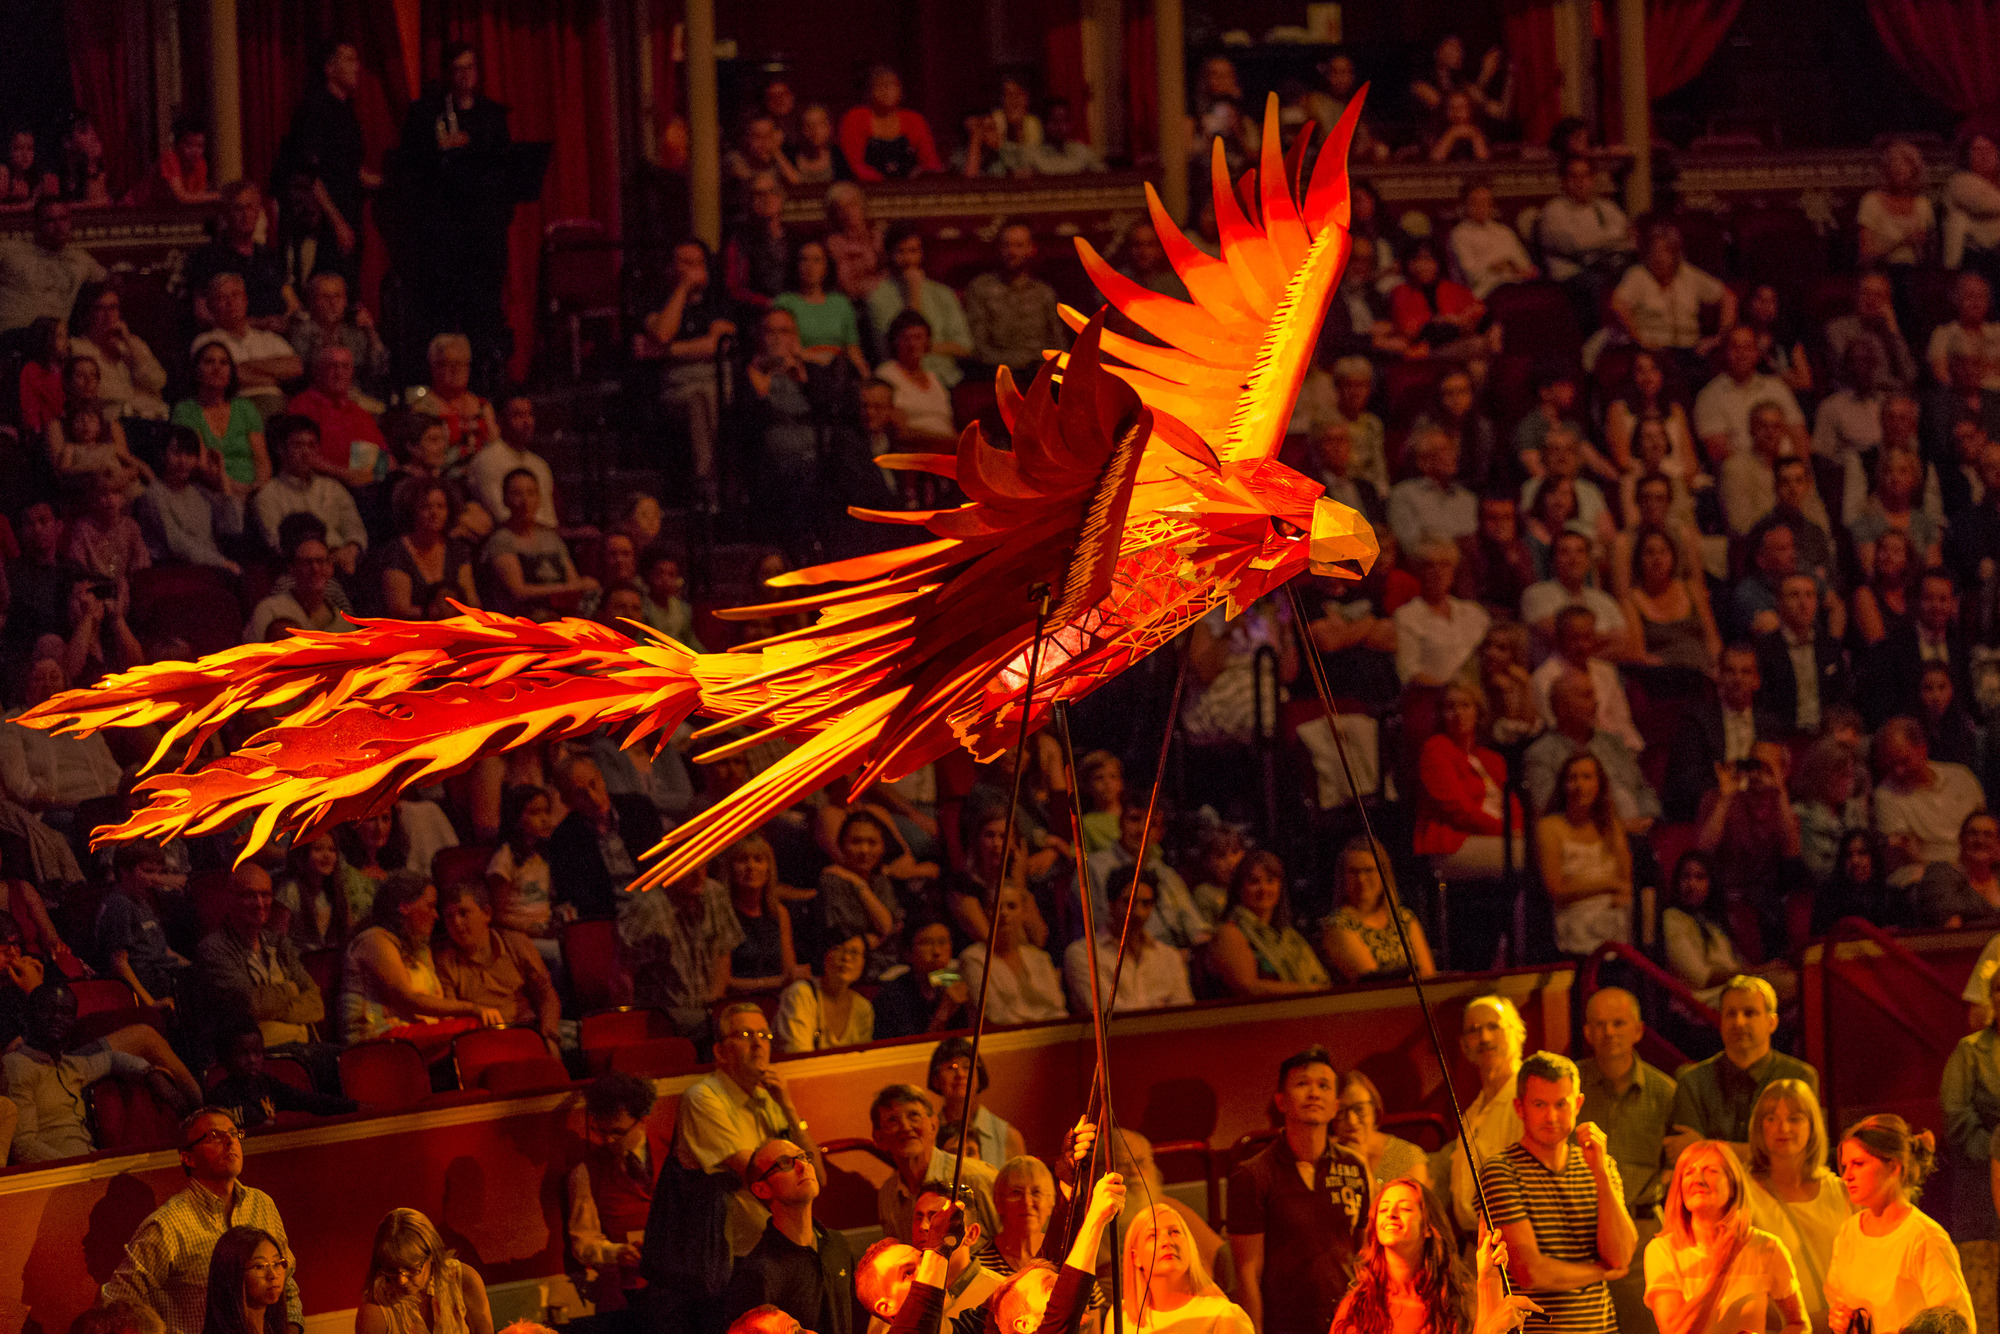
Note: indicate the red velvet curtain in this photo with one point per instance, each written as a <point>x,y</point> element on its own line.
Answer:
<point>100,72</point>
<point>1950,47</point>
<point>1681,37</point>
<point>1530,29</point>
<point>549,61</point>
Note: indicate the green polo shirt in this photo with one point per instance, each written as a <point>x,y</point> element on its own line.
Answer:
<point>1715,1096</point>
<point>1635,1120</point>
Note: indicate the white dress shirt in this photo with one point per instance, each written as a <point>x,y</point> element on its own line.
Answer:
<point>1437,644</point>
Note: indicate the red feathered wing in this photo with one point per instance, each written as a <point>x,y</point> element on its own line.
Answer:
<point>889,676</point>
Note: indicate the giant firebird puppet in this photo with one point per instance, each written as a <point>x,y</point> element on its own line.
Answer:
<point>1142,488</point>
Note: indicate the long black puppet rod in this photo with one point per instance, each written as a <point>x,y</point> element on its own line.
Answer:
<point>1040,592</point>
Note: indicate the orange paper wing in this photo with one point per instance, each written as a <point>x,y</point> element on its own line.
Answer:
<point>1239,351</point>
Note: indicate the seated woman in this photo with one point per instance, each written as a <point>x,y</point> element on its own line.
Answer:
<point>1668,610</point>
<point>424,569</point>
<point>1886,604</point>
<point>1256,950</point>
<point>494,969</point>
<point>1586,863</point>
<point>468,417</point>
<point>247,1273</point>
<point>1822,796</point>
<point>414,1284</point>
<point>1951,895</point>
<point>1359,939</point>
<point>815,1013</point>
<point>322,893</point>
<point>1357,1124</point>
<point>767,959</point>
<point>1025,988</point>
<point>828,326</point>
<point>389,987</point>
<point>408,835</point>
<point>1793,1194</point>
<point>1460,796</point>
<point>85,443</point>
<point>39,388</point>
<point>1780,351</point>
<point>1710,1268</point>
<point>856,897</point>
<point>950,1077</point>
<point>1645,397</point>
<point>968,894</point>
<point>1896,505</point>
<point>922,401</point>
<point>1439,317</point>
<point>882,139</point>
<point>528,569</point>
<point>519,873</point>
<point>229,424</point>
<point>1952,736</point>
<point>1166,1282</point>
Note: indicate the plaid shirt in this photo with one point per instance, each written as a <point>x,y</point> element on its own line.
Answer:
<point>166,1262</point>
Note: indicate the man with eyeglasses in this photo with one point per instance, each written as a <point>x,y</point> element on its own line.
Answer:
<point>802,1267</point>
<point>166,1262</point>
<point>611,1193</point>
<point>1154,975</point>
<point>724,1118</point>
<point>255,971</point>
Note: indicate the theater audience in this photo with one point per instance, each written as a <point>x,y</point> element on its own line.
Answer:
<point>177,517</point>
<point>1162,1262</point>
<point>43,274</point>
<point>528,568</point>
<point>328,317</point>
<point>352,447</point>
<point>1585,238</point>
<point>1628,1100</point>
<point>1952,894</point>
<point>757,257</point>
<point>389,986</point>
<point>254,1096</point>
<point>264,361</point>
<point>1890,1259</point>
<point>1149,975</point>
<point>1697,944</point>
<point>1574,704</point>
<point>1256,950</point>
<point>299,487</point>
<point>1585,862</point>
<point>1801,667</point>
<point>1713,1098</point>
<point>1023,987</point>
<point>414,1282</point>
<point>1747,822</point>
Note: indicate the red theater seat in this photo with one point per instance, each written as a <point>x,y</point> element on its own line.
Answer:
<point>472,1052</point>
<point>385,1074</point>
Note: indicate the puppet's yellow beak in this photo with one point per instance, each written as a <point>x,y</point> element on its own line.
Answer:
<point>1340,539</point>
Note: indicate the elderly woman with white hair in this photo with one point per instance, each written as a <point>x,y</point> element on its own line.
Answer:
<point>468,417</point>
<point>1167,1288</point>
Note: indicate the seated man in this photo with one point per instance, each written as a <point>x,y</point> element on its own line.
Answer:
<point>1431,504</point>
<point>1577,637</point>
<point>1720,731</point>
<point>1894,667</point>
<point>1713,1098</point>
<point>1154,976</point>
<point>593,854</point>
<point>1920,804</point>
<point>1175,921</point>
<point>236,250</point>
<point>1798,507</point>
<point>1747,480</point>
<point>905,1128</point>
<point>300,486</point>
<point>328,317</point>
<point>1573,701</point>
<point>1873,320</point>
<point>45,1075</point>
<point>265,362</point>
<point>254,971</point>
<point>352,448</point>
<point>1569,586</point>
<point>514,449</point>
<point>1012,313</point>
<point>1803,668</point>
<point>674,943</point>
<point>1722,410</point>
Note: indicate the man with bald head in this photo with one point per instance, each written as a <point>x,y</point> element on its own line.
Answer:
<point>252,971</point>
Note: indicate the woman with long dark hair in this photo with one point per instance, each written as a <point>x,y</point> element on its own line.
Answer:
<point>1409,1279</point>
<point>389,985</point>
<point>1586,862</point>
<point>1256,950</point>
<point>246,1284</point>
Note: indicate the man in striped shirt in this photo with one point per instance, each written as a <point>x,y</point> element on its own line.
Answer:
<point>1560,1207</point>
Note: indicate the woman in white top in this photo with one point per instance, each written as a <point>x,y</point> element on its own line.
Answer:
<point>1586,862</point>
<point>1436,633</point>
<point>388,985</point>
<point>1972,206</point>
<point>1025,988</point>
<point>1896,219</point>
<point>1166,1287</point>
<point>822,1012</point>
<point>922,401</point>
<point>1792,1194</point>
<point>1709,1271</point>
<point>1890,1258</point>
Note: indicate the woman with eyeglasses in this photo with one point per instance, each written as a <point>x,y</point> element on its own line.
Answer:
<point>415,1286</point>
<point>826,1011</point>
<point>1357,1124</point>
<point>246,1284</point>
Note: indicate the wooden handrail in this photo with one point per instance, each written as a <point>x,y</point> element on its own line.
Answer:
<point>1679,990</point>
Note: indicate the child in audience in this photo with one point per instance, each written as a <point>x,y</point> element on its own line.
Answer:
<point>520,873</point>
<point>1102,775</point>
<point>253,1095</point>
<point>176,516</point>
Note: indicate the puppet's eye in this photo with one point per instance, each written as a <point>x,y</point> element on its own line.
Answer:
<point>1286,529</point>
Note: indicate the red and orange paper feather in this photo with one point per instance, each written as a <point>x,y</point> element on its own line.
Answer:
<point>1142,488</point>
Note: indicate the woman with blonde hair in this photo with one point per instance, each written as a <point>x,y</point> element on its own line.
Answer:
<point>1710,1271</point>
<point>1792,1194</point>
<point>415,1286</point>
<point>1890,1259</point>
<point>1166,1286</point>
<point>1896,221</point>
<point>1360,938</point>
<point>767,959</point>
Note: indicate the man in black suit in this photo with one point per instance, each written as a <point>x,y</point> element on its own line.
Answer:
<point>1720,730</point>
<point>1894,667</point>
<point>594,853</point>
<point>1803,668</point>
